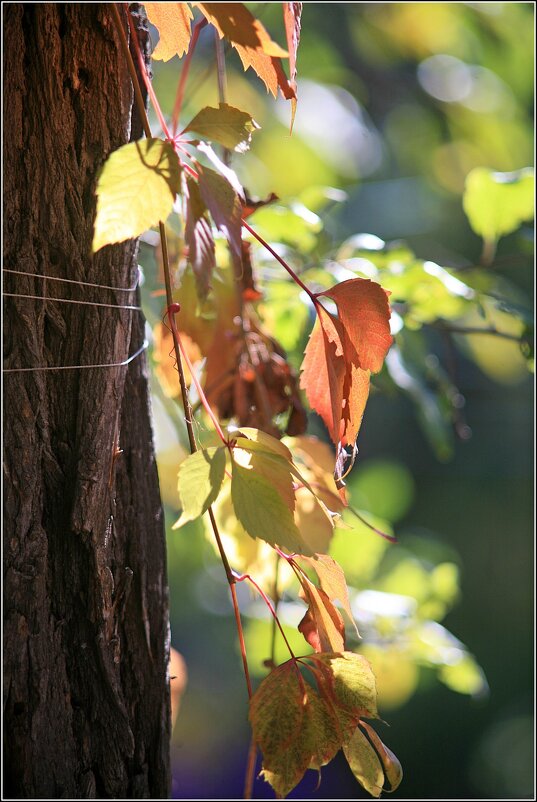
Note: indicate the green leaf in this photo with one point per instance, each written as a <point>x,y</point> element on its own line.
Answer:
<point>393,773</point>
<point>136,189</point>
<point>254,439</point>
<point>354,684</point>
<point>294,727</point>
<point>497,203</point>
<point>364,763</point>
<point>227,125</point>
<point>200,479</point>
<point>277,715</point>
<point>269,466</point>
<point>262,511</point>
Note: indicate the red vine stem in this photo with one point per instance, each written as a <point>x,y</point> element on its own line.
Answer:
<point>145,76</point>
<point>242,578</point>
<point>283,263</point>
<point>169,296</point>
<point>171,312</point>
<point>184,74</point>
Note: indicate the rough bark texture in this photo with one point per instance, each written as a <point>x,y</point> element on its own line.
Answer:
<point>86,691</point>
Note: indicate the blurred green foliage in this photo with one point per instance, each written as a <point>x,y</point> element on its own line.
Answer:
<point>398,104</point>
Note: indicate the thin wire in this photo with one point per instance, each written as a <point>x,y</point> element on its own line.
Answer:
<point>72,281</point>
<point>68,301</point>
<point>82,367</point>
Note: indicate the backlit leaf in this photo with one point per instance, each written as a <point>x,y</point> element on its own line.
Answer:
<point>173,23</point>
<point>291,17</point>
<point>365,315</point>
<point>364,763</point>
<point>294,727</point>
<point>270,466</point>
<point>252,42</point>
<point>224,205</point>
<point>354,683</point>
<point>199,239</point>
<point>263,512</point>
<point>332,581</point>
<point>342,351</point>
<point>393,773</point>
<point>277,713</point>
<point>200,479</point>
<point>227,125</point>
<point>265,442</point>
<point>322,626</point>
<point>136,189</point>
<point>497,203</point>
<point>323,372</point>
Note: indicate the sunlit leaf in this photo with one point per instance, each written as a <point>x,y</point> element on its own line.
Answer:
<point>173,23</point>
<point>227,125</point>
<point>291,17</point>
<point>364,763</point>
<point>257,439</point>
<point>263,512</point>
<point>497,203</point>
<point>277,715</point>
<point>393,773</point>
<point>200,478</point>
<point>342,351</point>
<point>270,466</point>
<point>322,625</point>
<point>323,372</point>
<point>354,682</point>
<point>332,581</point>
<point>252,42</point>
<point>365,315</point>
<point>136,188</point>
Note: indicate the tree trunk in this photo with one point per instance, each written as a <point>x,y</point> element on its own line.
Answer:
<point>86,638</point>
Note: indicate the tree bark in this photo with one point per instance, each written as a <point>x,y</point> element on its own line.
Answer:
<point>86,635</point>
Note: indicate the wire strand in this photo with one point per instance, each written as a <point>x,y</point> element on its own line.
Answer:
<point>73,281</point>
<point>69,301</point>
<point>82,367</point>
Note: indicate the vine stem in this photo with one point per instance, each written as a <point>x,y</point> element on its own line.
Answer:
<point>184,74</point>
<point>171,312</point>
<point>283,263</point>
<point>169,301</point>
<point>242,578</point>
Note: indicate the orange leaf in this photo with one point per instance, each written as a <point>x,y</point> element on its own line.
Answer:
<point>323,372</point>
<point>251,41</point>
<point>291,17</point>
<point>365,315</point>
<point>173,23</point>
<point>322,626</point>
<point>332,580</point>
<point>342,352</point>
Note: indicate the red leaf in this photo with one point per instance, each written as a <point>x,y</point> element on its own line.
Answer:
<point>224,205</point>
<point>365,315</point>
<point>323,372</point>
<point>291,17</point>
<point>251,41</point>
<point>199,238</point>
<point>342,352</point>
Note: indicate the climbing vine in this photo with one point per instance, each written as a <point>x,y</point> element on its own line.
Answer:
<point>256,473</point>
